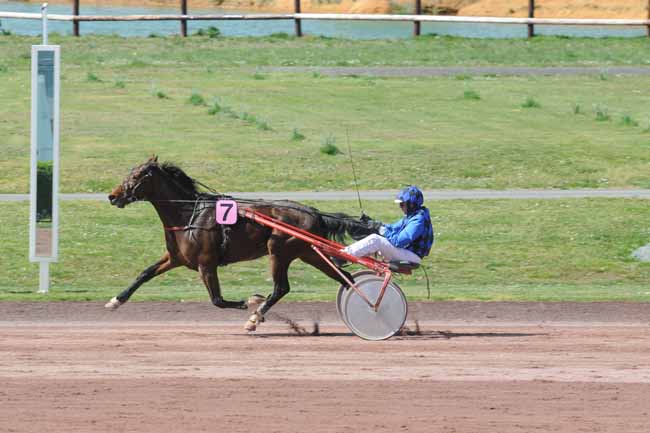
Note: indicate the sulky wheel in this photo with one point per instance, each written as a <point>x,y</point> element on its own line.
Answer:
<point>363,320</point>
<point>356,277</point>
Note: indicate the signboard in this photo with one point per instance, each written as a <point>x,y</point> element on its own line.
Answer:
<point>226,212</point>
<point>44,172</point>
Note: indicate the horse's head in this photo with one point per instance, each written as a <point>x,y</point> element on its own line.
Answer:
<point>136,186</point>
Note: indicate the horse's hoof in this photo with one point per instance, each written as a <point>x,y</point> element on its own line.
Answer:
<point>255,301</point>
<point>113,304</point>
<point>255,318</point>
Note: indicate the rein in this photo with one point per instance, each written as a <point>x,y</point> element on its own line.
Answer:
<point>212,197</point>
<point>189,226</point>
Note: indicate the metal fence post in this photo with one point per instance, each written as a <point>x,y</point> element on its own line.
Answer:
<point>531,14</point>
<point>647,29</point>
<point>44,31</point>
<point>75,23</point>
<point>184,22</point>
<point>418,11</point>
<point>298,24</point>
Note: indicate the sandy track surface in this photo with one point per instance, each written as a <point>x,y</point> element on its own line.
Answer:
<point>187,367</point>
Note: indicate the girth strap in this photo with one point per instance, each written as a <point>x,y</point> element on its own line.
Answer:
<point>177,228</point>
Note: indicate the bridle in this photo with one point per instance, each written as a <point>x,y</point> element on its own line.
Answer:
<point>131,190</point>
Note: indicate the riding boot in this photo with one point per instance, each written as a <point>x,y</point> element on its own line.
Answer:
<point>339,262</point>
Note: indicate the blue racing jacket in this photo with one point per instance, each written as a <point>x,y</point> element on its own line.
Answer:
<point>414,232</point>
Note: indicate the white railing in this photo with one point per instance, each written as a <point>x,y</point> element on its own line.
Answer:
<point>34,16</point>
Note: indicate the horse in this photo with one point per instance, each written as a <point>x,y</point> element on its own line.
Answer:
<point>195,240</point>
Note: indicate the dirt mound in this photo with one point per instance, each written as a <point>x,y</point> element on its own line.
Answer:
<point>559,8</point>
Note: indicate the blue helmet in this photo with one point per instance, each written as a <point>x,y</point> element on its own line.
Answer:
<point>412,196</point>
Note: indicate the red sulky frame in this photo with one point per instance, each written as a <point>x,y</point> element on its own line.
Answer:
<point>324,248</point>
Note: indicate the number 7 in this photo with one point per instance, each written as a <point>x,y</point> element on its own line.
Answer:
<point>228,206</point>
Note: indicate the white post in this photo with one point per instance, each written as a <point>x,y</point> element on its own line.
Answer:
<point>44,277</point>
<point>44,22</point>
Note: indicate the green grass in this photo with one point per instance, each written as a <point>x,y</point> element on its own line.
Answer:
<point>196,99</point>
<point>602,114</point>
<point>116,51</point>
<point>262,125</point>
<point>471,95</point>
<point>328,146</point>
<point>576,108</point>
<point>214,108</point>
<point>402,131</point>
<point>531,102</point>
<point>160,94</point>
<point>211,32</point>
<point>419,123</point>
<point>296,135</point>
<point>627,120</point>
<point>93,78</point>
<point>547,250</point>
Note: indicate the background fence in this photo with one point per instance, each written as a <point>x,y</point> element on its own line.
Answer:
<point>297,16</point>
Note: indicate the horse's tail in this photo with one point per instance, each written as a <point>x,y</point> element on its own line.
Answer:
<point>336,225</point>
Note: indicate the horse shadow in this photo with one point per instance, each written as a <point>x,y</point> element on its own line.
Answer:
<point>448,335</point>
<point>405,334</point>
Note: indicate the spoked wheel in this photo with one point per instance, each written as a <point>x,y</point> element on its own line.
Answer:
<point>363,320</point>
<point>356,277</point>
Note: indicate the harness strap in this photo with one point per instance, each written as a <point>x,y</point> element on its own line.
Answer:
<point>177,228</point>
<point>183,228</point>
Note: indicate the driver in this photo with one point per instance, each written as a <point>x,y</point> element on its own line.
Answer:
<point>409,239</point>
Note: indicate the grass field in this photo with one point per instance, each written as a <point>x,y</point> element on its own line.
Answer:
<point>202,103</point>
<point>284,50</point>
<point>486,250</point>
<point>124,99</point>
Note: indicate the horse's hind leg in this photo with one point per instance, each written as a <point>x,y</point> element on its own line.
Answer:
<point>211,280</point>
<point>161,266</point>
<point>312,258</point>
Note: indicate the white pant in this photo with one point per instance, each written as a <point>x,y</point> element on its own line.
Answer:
<point>379,244</point>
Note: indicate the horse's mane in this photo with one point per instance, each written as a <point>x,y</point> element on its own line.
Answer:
<point>180,177</point>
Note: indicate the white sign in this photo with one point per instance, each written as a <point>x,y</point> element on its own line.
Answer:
<point>44,172</point>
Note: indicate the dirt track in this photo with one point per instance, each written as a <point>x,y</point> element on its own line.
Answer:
<point>186,367</point>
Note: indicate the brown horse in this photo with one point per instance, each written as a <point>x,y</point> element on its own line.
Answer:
<point>195,240</point>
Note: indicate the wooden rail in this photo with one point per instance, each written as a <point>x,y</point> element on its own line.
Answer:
<point>298,17</point>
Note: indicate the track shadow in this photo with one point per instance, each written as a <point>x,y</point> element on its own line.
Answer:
<point>406,333</point>
<point>293,334</point>
<point>448,335</point>
<point>422,335</point>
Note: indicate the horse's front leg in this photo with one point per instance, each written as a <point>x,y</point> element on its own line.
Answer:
<point>279,270</point>
<point>161,266</point>
<point>211,280</point>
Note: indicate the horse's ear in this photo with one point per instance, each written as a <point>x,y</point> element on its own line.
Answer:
<point>154,158</point>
